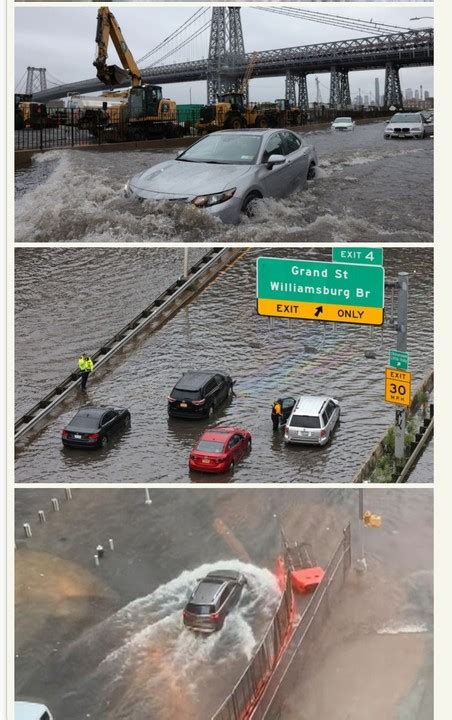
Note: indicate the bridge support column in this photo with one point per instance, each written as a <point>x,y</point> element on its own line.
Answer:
<point>339,88</point>
<point>291,94</point>
<point>303,102</point>
<point>393,91</point>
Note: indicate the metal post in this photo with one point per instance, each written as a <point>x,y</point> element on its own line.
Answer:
<point>27,530</point>
<point>361,564</point>
<point>68,492</point>
<point>111,543</point>
<point>41,516</point>
<point>402,319</point>
<point>148,497</point>
<point>185,262</point>
<point>55,504</point>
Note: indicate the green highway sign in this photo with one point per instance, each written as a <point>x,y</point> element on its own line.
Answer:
<point>398,359</point>
<point>360,256</point>
<point>313,290</point>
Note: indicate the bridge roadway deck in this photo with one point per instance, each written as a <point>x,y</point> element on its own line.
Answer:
<point>411,48</point>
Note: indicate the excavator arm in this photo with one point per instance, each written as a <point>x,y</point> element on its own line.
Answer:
<point>112,74</point>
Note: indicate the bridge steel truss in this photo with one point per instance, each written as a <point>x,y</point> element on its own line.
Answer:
<point>227,63</point>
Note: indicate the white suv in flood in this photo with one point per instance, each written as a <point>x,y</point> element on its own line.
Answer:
<point>312,420</point>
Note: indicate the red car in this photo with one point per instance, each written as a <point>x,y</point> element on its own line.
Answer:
<point>219,449</point>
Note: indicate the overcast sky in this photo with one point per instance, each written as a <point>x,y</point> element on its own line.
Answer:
<point>62,40</point>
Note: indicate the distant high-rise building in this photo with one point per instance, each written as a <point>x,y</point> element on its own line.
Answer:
<point>416,94</point>
<point>409,94</point>
<point>426,95</point>
<point>377,92</point>
<point>366,99</point>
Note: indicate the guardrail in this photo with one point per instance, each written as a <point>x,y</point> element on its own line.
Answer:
<point>256,693</point>
<point>157,312</point>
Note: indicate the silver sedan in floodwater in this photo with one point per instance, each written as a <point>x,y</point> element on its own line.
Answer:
<point>224,173</point>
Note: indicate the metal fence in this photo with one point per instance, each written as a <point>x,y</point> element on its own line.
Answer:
<point>307,631</point>
<point>253,680</point>
<point>248,698</point>
<point>45,128</point>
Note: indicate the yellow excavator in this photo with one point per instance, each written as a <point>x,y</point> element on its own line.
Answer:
<point>147,114</point>
<point>230,112</point>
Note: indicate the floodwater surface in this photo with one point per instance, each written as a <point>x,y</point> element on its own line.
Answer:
<point>218,329</point>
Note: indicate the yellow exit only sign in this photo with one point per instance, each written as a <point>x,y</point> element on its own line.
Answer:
<point>398,386</point>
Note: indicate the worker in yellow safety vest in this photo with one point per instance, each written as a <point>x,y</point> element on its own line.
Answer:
<point>86,366</point>
<point>277,414</point>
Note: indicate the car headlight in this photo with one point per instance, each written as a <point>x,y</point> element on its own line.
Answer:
<point>214,199</point>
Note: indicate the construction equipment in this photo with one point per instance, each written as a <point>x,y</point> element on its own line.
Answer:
<point>147,114</point>
<point>233,112</point>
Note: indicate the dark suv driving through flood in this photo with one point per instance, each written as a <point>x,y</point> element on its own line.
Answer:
<point>212,599</point>
<point>198,393</point>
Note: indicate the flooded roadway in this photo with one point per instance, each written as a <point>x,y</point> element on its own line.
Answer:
<point>108,641</point>
<point>219,328</point>
<point>367,189</point>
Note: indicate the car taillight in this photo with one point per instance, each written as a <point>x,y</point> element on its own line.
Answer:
<point>198,402</point>
<point>65,434</point>
<point>171,399</point>
<point>323,433</point>
<point>93,436</point>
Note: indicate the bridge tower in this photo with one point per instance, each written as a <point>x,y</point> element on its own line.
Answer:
<point>36,80</point>
<point>226,51</point>
<point>393,91</point>
<point>291,89</point>
<point>303,102</point>
<point>339,88</point>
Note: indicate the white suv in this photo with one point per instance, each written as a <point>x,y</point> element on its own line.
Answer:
<point>312,420</point>
<point>31,711</point>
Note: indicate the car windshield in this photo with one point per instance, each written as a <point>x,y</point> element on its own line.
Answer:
<point>210,446</point>
<point>343,120</point>
<point>227,149</point>
<point>305,421</point>
<point>406,117</point>
<point>86,421</point>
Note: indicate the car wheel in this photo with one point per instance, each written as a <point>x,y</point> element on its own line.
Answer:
<point>311,171</point>
<point>262,122</point>
<point>248,207</point>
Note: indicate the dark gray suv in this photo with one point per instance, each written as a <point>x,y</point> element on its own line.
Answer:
<point>198,393</point>
<point>212,599</point>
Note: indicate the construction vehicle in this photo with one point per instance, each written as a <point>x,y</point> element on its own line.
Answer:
<point>33,116</point>
<point>231,112</point>
<point>147,114</point>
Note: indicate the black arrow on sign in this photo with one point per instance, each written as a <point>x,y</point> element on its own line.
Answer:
<point>318,311</point>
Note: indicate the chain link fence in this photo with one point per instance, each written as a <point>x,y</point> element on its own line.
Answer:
<point>249,698</point>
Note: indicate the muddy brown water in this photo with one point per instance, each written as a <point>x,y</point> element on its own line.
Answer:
<point>108,641</point>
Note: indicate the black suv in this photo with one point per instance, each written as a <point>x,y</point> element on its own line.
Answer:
<point>212,599</point>
<point>198,393</point>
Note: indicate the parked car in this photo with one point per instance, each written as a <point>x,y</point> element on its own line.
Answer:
<point>92,427</point>
<point>31,711</point>
<point>415,125</point>
<point>224,173</point>
<point>212,599</point>
<point>199,393</point>
<point>312,420</point>
<point>343,123</point>
<point>219,449</point>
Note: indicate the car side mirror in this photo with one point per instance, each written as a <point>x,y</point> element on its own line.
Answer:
<point>275,160</point>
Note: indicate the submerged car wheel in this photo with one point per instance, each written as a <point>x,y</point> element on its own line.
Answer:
<point>249,204</point>
<point>311,171</point>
